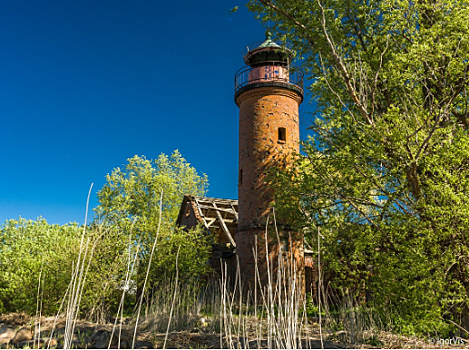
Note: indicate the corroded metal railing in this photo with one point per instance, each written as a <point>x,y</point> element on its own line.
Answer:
<point>269,74</point>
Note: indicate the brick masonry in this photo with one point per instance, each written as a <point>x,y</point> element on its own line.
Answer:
<point>253,254</point>
<point>262,111</point>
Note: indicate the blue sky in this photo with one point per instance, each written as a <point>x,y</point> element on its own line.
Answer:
<point>84,85</point>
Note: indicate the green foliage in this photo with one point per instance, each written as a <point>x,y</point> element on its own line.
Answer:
<point>37,255</point>
<point>130,202</point>
<point>34,253</point>
<point>108,257</point>
<point>312,309</point>
<point>194,252</point>
<point>385,174</point>
<point>130,198</point>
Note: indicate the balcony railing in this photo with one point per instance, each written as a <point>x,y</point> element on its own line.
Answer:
<point>269,74</point>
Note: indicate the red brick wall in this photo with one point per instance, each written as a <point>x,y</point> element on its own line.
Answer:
<point>263,110</point>
<point>253,239</point>
<point>311,276</point>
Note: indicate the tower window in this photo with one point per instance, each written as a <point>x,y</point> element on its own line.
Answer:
<point>282,134</point>
<point>240,176</point>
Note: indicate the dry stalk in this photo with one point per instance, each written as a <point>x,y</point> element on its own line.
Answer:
<point>128,276</point>
<point>77,283</point>
<point>319,287</point>
<point>37,320</point>
<point>148,269</point>
<point>174,298</point>
<point>276,321</point>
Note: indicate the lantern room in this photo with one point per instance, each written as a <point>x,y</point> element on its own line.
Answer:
<point>268,64</point>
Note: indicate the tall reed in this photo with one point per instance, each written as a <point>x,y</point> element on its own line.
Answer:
<point>273,315</point>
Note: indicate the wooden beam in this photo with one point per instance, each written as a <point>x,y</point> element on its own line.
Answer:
<point>224,227</point>
<point>210,222</point>
<point>226,210</point>
<point>235,211</point>
<point>200,212</point>
<point>227,221</point>
<point>218,200</point>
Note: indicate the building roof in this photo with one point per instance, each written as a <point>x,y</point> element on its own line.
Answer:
<point>217,215</point>
<point>269,42</point>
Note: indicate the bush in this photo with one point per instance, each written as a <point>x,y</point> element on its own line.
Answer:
<point>32,254</point>
<point>37,259</point>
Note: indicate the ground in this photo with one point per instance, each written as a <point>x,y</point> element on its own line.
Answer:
<point>17,331</point>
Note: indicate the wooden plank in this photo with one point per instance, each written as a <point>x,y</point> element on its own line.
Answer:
<point>225,228</point>
<point>219,201</point>
<point>210,222</point>
<point>230,211</point>
<point>200,212</point>
<point>235,211</point>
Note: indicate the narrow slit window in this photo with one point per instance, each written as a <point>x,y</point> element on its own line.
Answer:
<point>241,176</point>
<point>282,134</point>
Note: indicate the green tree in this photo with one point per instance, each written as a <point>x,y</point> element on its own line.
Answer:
<point>385,174</point>
<point>35,254</point>
<point>130,202</point>
<point>108,257</point>
<point>37,260</point>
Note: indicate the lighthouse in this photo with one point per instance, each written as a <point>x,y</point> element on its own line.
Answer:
<point>268,92</point>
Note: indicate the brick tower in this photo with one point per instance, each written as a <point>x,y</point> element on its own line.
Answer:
<point>268,93</point>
